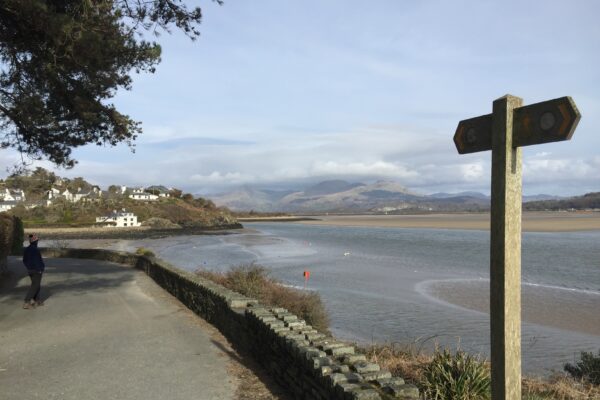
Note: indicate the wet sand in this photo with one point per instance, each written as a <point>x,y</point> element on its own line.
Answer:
<point>532,221</point>
<point>570,310</point>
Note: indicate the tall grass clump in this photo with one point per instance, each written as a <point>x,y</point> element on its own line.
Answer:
<point>458,376</point>
<point>401,360</point>
<point>559,387</point>
<point>253,281</point>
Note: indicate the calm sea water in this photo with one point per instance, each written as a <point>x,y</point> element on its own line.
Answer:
<point>379,283</point>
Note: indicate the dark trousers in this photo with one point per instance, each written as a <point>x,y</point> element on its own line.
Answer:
<point>34,290</point>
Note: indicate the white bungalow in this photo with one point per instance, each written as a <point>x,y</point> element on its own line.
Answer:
<point>119,219</point>
<point>140,194</point>
<point>7,205</point>
<point>158,190</point>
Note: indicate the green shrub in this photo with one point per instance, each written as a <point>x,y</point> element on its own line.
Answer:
<point>253,281</point>
<point>458,376</point>
<point>587,369</point>
<point>142,251</point>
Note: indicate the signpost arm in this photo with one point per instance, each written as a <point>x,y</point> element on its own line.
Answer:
<point>505,254</point>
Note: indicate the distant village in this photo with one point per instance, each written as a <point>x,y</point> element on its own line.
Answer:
<point>12,197</point>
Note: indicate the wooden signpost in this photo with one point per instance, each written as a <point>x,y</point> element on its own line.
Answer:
<point>505,131</point>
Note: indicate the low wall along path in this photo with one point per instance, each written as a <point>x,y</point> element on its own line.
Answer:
<point>309,364</point>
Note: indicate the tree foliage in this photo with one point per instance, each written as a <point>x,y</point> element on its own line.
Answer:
<point>61,61</point>
<point>587,201</point>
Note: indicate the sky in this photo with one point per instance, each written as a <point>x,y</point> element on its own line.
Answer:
<point>283,94</point>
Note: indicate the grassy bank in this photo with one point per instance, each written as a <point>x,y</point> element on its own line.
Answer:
<point>253,281</point>
<point>446,375</point>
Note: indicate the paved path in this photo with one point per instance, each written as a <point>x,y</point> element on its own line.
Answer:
<point>106,332</point>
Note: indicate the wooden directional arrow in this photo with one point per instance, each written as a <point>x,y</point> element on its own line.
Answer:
<point>548,121</point>
<point>473,135</point>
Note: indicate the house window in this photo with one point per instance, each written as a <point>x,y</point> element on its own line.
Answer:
<point>125,224</point>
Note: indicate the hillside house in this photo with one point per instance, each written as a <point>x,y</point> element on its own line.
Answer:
<point>140,194</point>
<point>159,190</point>
<point>119,219</point>
<point>67,195</point>
<point>12,195</point>
<point>54,193</point>
<point>7,205</point>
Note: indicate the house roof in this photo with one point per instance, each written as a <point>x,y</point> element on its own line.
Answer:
<point>158,188</point>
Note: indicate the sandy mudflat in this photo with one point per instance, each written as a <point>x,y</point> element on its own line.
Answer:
<point>532,221</point>
<point>560,308</point>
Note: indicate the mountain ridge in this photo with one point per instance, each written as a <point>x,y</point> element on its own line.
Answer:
<point>356,197</point>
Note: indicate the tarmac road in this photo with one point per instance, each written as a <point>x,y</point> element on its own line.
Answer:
<point>106,331</point>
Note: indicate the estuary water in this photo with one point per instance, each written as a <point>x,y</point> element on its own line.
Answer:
<point>419,286</point>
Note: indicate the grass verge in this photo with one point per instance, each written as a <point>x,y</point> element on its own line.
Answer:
<point>438,375</point>
<point>253,281</point>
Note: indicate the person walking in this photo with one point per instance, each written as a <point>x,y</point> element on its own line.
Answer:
<point>35,268</point>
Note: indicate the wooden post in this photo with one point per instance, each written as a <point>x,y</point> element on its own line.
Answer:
<point>505,253</point>
<point>509,127</point>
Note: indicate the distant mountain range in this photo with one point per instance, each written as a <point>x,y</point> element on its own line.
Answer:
<point>338,196</point>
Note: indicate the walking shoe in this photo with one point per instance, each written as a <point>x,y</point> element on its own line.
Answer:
<point>27,305</point>
<point>39,303</point>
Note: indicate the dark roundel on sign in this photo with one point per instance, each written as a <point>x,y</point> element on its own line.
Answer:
<point>471,136</point>
<point>547,121</point>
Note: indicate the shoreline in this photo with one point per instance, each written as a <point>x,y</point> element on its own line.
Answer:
<point>531,221</point>
<point>91,233</point>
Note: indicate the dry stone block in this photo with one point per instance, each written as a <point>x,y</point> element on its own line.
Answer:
<point>374,376</point>
<point>349,377</point>
<point>313,337</point>
<point>342,388</point>
<point>353,358</point>
<point>318,362</point>
<point>340,351</point>
<point>363,367</point>
<point>294,324</point>
<point>287,317</point>
<point>393,380</point>
<point>365,394</point>
<point>401,391</point>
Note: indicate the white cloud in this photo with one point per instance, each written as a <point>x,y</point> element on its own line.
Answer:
<point>222,178</point>
<point>373,169</point>
<point>472,171</point>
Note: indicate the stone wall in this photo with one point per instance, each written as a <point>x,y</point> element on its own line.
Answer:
<point>309,364</point>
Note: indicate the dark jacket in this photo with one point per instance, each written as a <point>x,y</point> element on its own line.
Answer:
<point>33,259</point>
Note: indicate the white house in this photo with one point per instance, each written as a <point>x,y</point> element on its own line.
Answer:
<point>12,195</point>
<point>158,190</point>
<point>140,194</point>
<point>119,219</point>
<point>67,195</point>
<point>52,194</point>
<point>7,205</point>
